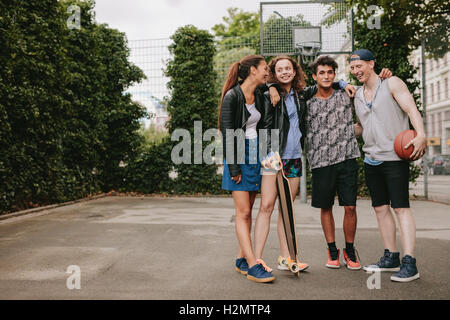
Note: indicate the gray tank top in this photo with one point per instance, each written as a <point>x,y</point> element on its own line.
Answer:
<point>382,121</point>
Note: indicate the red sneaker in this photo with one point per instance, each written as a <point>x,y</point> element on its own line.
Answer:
<point>334,264</point>
<point>352,265</point>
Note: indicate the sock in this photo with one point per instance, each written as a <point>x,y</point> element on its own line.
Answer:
<point>333,250</point>
<point>350,251</point>
<point>349,247</point>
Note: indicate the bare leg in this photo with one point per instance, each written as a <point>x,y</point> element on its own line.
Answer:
<point>243,202</point>
<point>326,217</point>
<point>350,221</point>
<point>262,224</point>
<point>407,230</point>
<point>386,225</point>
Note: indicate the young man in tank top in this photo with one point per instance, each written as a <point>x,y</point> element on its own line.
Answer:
<point>383,109</point>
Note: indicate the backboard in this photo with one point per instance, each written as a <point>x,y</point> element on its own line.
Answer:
<point>286,24</point>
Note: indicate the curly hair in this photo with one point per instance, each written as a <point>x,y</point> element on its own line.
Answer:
<point>299,81</point>
<point>324,61</point>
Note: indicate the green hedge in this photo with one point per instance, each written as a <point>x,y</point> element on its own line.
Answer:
<point>193,97</point>
<point>65,123</point>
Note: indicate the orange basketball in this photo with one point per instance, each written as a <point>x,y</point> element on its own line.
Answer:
<point>402,139</point>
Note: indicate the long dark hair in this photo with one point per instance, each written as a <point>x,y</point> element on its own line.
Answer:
<point>239,71</point>
<point>299,81</point>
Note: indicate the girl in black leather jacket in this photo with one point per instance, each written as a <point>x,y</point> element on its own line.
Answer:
<point>240,113</point>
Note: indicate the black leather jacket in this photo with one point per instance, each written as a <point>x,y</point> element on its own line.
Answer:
<point>234,115</point>
<point>278,118</point>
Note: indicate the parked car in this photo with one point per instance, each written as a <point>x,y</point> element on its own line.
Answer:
<point>441,164</point>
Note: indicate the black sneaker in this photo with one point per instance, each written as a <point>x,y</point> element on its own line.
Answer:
<point>408,270</point>
<point>390,262</point>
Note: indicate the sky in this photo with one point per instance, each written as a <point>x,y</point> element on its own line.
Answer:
<point>157,19</point>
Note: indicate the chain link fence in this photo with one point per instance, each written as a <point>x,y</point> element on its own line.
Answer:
<point>152,55</point>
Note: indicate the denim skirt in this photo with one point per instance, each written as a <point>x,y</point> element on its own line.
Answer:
<point>250,170</point>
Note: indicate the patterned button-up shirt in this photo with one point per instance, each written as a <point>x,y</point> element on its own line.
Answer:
<point>330,133</point>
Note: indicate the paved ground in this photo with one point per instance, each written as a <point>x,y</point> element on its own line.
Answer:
<point>184,248</point>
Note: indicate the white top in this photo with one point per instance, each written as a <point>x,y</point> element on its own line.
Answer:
<point>255,115</point>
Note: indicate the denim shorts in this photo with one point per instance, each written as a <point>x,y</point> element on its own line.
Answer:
<point>250,170</point>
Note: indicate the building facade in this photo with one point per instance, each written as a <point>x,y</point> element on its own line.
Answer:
<point>437,74</point>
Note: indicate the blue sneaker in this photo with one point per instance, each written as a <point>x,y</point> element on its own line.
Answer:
<point>408,270</point>
<point>390,262</point>
<point>241,266</point>
<point>259,274</point>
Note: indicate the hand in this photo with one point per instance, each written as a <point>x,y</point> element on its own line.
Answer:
<point>237,178</point>
<point>420,146</point>
<point>385,73</point>
<point>351,90</point>
<point>274,96</point>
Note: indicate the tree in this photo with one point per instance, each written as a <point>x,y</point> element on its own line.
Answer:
<point>65,123</point>
<point>192,98</point>
<point>240,26</point>
<point>429,18</point>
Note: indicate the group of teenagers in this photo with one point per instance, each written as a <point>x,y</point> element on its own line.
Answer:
<point>319,121</point>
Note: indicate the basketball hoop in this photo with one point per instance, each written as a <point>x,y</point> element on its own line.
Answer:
<point>307,42</point>
<point>308,50</point>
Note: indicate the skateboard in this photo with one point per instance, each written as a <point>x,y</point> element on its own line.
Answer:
<point>287,209</point>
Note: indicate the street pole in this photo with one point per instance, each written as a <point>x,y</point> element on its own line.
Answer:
<point>303,178</point>
<point>424,106</point>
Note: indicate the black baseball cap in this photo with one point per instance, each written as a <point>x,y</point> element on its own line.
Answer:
<point>363,54</point>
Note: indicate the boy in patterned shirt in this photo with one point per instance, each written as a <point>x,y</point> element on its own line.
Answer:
<point>332,150</point>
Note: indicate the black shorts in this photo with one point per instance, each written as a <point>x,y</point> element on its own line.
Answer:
<point>341,177</point>
<point>388,183</point>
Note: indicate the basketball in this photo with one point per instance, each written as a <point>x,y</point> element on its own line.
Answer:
<point>402,139</point>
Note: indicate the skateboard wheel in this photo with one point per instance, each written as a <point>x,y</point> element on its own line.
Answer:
<point>293,266</point>
<point>283,261</point>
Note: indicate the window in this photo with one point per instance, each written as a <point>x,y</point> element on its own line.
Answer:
<point>429,125</point>
<point>438,89</point>
<point>433,125</point>
<point>429,94</point>
<point>439,124</point>
<point>432,93</point>
<point>446,88</point>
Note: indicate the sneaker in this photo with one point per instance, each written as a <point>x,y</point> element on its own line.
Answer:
<point>408,270</point>
<point>334,264</point>
<point>265,266</point>
<point>259,274</point>
<point>283,264</point>
<point>241,266</point>
<point>351,261</point>
<point>389,262</point>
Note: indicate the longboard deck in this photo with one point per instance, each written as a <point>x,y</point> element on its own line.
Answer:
<point>287,210</point>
